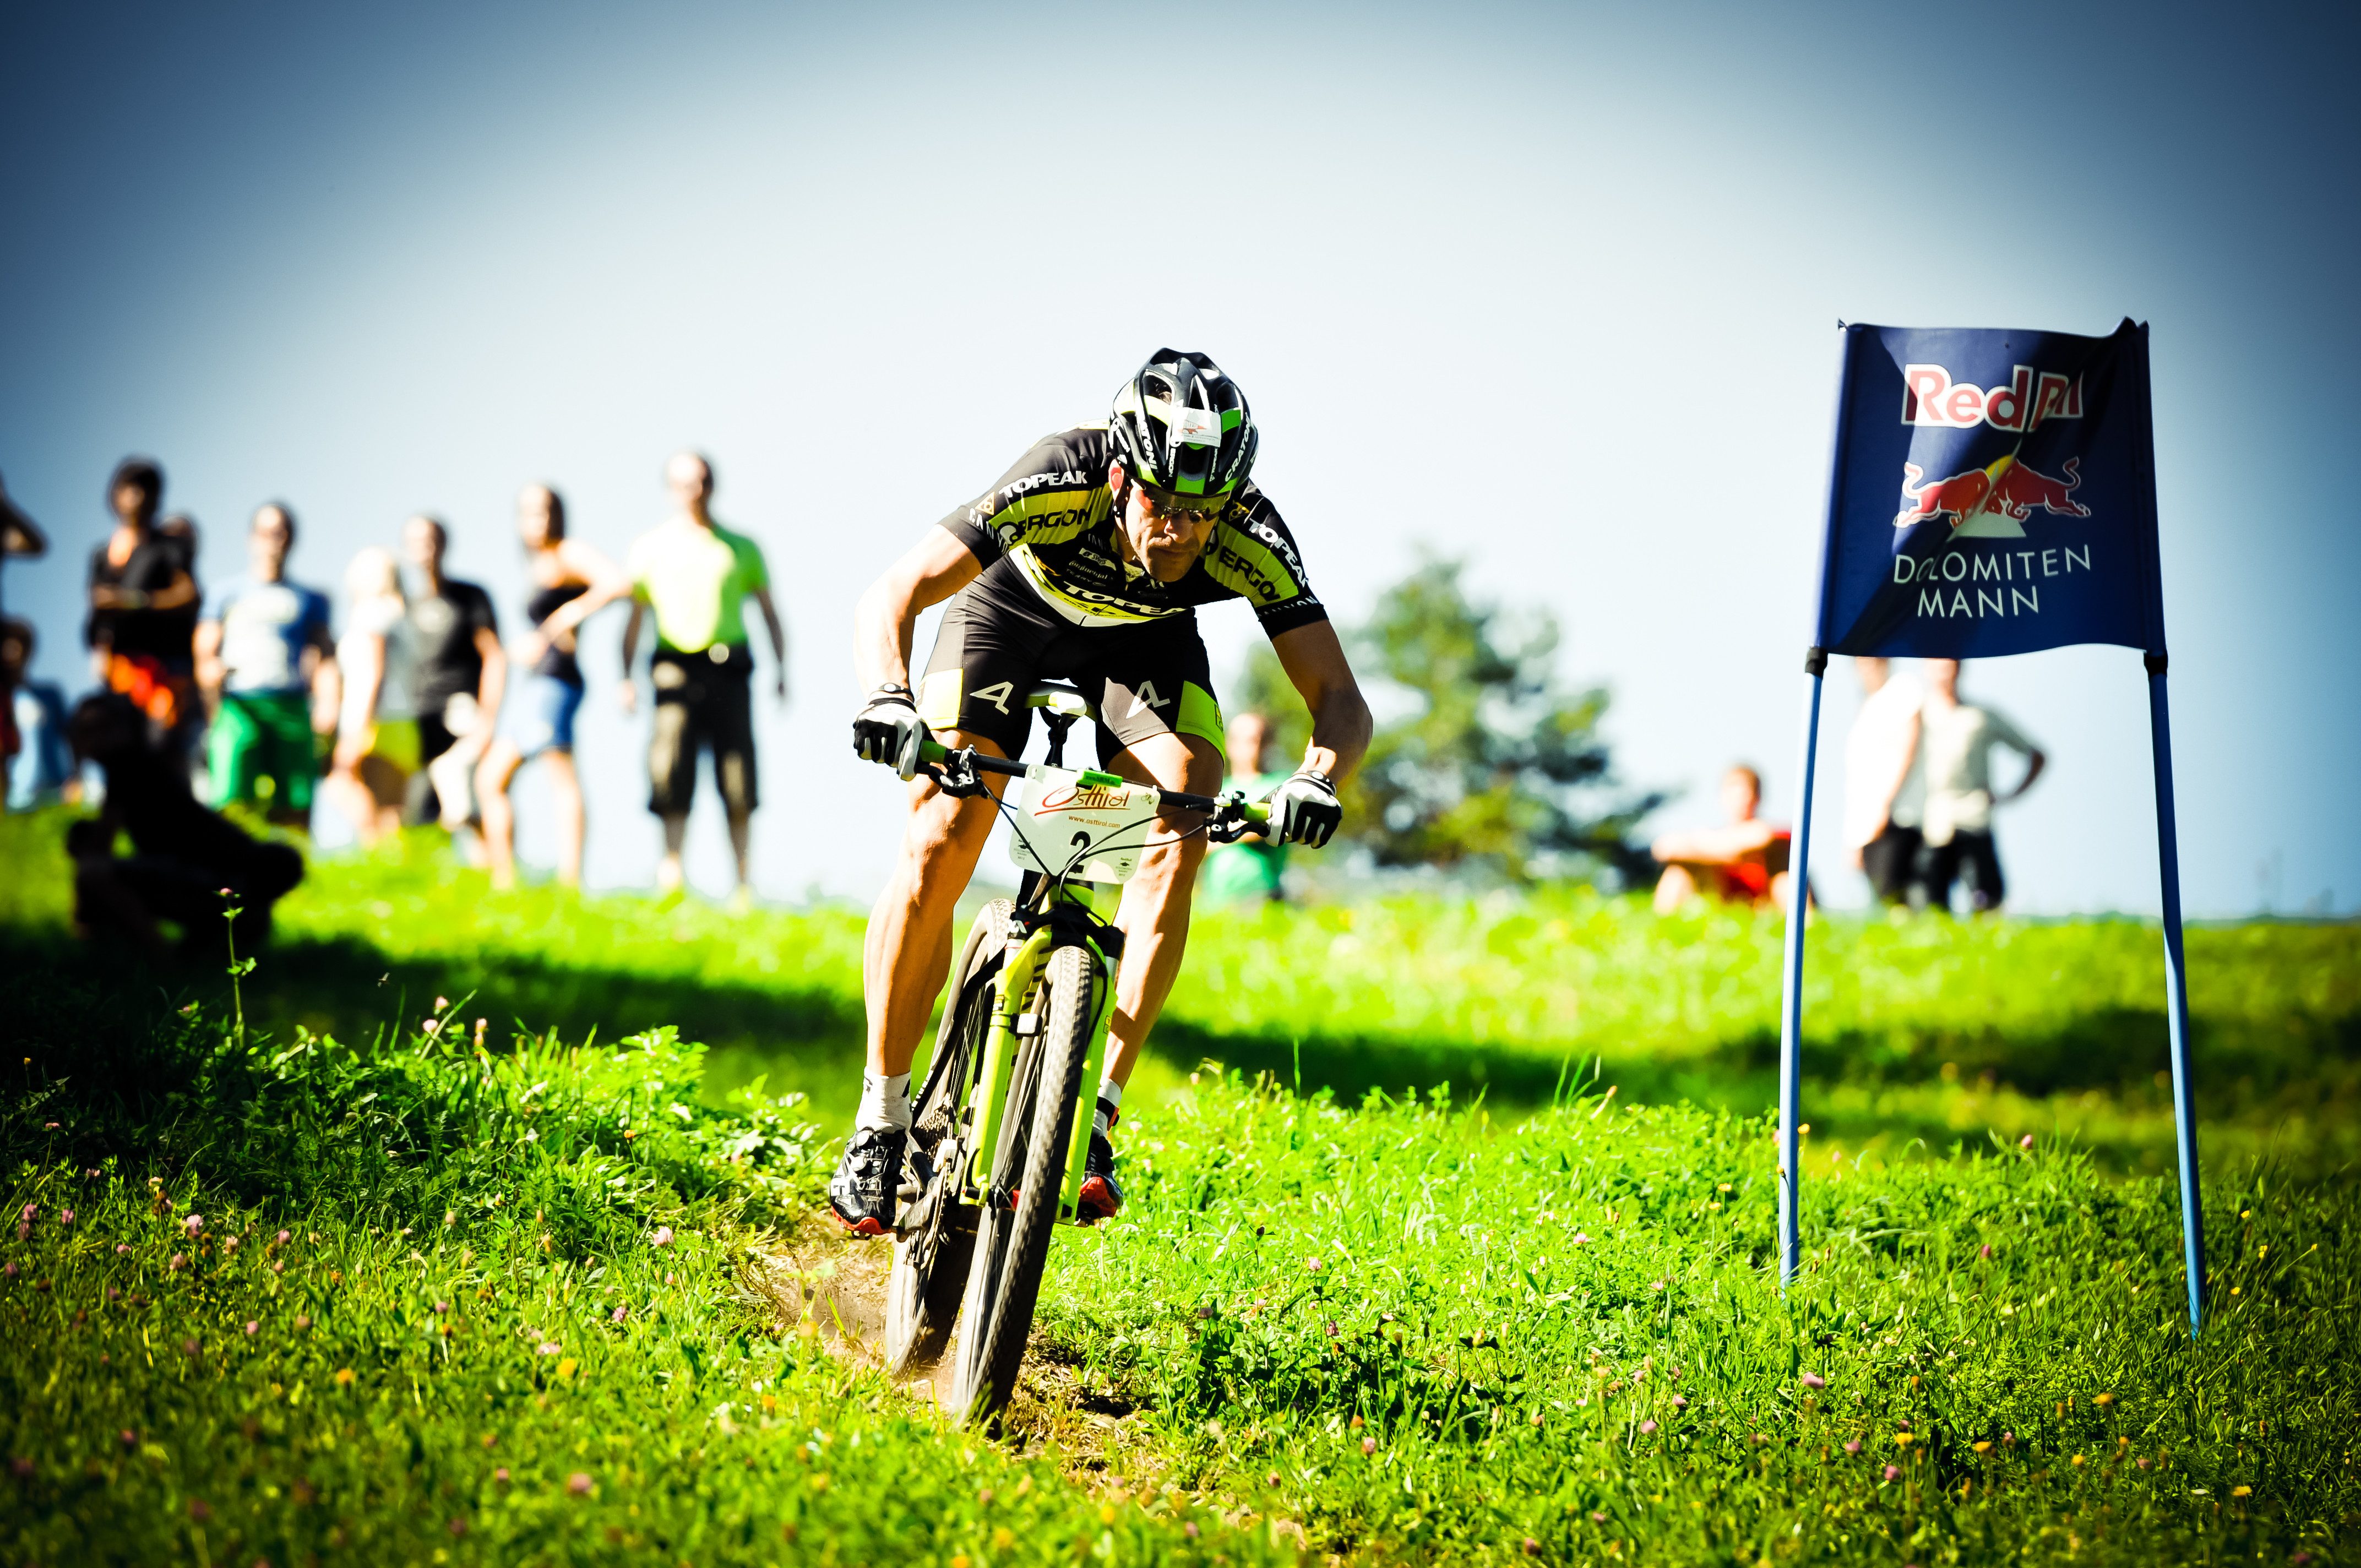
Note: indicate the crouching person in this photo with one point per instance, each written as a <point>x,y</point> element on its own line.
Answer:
<point>184,857</point>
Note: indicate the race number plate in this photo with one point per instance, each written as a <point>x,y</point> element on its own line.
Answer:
<point>1091,826</point>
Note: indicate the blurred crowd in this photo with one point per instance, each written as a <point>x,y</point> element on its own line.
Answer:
<point>255,695</point>
<point>253,698</point>
<point>1919,796</point>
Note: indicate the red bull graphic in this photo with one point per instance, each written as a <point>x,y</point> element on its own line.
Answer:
<point>2012,505</point>
<point>2006,488</point>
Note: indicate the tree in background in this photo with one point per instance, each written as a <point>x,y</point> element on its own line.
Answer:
<point>1496,761</point>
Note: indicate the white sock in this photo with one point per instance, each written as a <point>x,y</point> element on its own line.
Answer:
<point>1110,1106</point>
<point>885,1102</point>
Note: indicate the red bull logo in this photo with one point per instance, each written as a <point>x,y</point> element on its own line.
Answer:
<point>1929,395</point>
<point>2006,488</point>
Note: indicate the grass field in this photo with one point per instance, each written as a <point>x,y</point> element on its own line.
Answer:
<point>539,1303</point>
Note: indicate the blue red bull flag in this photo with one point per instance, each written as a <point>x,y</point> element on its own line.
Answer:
<point>1993,493</point>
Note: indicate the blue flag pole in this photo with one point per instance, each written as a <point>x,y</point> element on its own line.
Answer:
<point>1791,988</point>
<point>2176,983</point>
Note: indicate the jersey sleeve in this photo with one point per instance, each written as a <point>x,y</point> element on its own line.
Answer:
<point>1054,492</point>
<point>216,601</point>
<point>481,617</point>
<point>754,573</point>
<point>1254,556</point>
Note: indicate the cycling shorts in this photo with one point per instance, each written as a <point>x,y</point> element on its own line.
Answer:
<point>998,638</point>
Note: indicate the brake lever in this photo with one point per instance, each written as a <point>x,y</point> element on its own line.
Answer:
<point>1229,824</point>
<point>956,774</point>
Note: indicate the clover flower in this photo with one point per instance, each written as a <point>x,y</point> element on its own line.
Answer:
<point>1368,1445</point>
<point>1814,1380</point>
<point>253,1327</point>
<point>1894,1471</point>
<point>1680,1402</point>
<point>549,1347</point>
<point>65,1217</point>
<point>2025,1142</point>
<point>501,1474</point>
<point>619,1314</point>
<point>173,1266</point>
<point>1852,1445</point>
<point>122,1247</point>
<point>664,1235</point>
<point>194,1224</point>
<point>578,1482</point>
<point>1647,1428</point>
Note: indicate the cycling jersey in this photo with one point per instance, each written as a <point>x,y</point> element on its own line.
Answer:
<point>1052,516</point>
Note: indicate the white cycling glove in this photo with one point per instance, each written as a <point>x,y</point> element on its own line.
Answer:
<point>1305,809</point>
<point>888,729</point>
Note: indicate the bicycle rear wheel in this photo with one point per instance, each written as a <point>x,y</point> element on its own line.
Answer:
<point>932,1256</point>
<point>1012,1241</point>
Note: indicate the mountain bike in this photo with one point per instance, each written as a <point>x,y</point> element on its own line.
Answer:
<point>996,1146</point>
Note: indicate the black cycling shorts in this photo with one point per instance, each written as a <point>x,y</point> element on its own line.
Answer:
<point>998,638</point>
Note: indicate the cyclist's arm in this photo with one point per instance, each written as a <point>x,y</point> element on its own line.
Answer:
<point>886,619</point>
<point>1314,660</point>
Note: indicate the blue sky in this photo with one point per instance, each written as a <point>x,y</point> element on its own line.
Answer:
<point>1552,288</point>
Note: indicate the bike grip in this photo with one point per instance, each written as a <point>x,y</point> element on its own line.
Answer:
<point>933,750</point>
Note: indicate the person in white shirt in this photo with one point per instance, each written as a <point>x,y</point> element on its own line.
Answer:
<point>1885,781</point>
<point>1956,739</point>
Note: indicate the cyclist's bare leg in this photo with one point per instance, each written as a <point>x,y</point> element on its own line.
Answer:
<point>1154,914</point>
<point>907,954</point>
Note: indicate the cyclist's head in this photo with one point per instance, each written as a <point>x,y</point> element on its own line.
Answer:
<point>1183,443</point>
<point>1183,427</point>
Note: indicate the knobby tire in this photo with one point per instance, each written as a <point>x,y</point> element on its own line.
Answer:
<point>1013,1244</point>
<point>930,1266</point>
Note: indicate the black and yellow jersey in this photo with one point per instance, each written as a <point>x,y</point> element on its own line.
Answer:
<point>1053,516</point>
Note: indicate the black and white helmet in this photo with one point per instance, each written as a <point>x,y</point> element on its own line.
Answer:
<point>1182,426</point>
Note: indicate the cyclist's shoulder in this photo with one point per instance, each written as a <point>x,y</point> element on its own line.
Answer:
<point>1072,458</point>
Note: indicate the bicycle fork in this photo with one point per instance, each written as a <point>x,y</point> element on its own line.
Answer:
<point>1016,984</point>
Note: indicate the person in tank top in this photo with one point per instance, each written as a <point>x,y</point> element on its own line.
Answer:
<point>572,582</point>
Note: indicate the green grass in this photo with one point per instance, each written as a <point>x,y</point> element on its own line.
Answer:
<point>1385,1326</point>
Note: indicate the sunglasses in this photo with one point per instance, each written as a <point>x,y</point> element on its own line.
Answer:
<point>1195,508</point>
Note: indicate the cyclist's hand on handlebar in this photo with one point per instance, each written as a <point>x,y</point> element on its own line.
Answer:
<point>888,729</point>
<point>1305,809</point>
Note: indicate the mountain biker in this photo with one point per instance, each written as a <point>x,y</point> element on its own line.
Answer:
<point>1086,562</point>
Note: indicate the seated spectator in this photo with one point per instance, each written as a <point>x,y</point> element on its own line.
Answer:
<point>1249,870</point>
<point>188,864</point>
<point>1743,861</point>
<point>41,772</point>
<point>377,724</point>
<point>1957,739</point>
<point>262,644</point>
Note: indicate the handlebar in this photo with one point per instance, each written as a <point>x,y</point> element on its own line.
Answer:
<point>935,759</point>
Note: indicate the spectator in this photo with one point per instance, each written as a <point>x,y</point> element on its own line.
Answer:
<point>1250,869</point>
<point>377,722</point>
<point>696,576</point>
<point>1957,739</point>
<point>18,536</point>
<point>41,772</point>
<point>461,673</point>
<point>185,857</point>
<point>262,648</point>
<point>1743,861</point>
<point>572,582</point>
<point>1885,781</point>
<point>142,590</point>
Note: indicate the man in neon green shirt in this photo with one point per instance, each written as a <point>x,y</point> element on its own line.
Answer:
<point>696,576</point>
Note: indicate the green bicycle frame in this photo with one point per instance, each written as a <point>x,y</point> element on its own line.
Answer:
<point>1016,981</point>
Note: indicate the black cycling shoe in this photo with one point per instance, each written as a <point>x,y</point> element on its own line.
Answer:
<point>868,1181</point>
<point>1100,1198</point>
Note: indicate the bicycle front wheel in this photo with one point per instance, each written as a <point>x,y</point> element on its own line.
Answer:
<point>932,1256</point>
<point>1012,1241</point>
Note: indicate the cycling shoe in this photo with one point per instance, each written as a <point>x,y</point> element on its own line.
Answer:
<point>1100,1198</point>
<point>868,1181</point>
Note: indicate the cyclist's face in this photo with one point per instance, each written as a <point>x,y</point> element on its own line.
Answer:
<point>1166,532</point>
